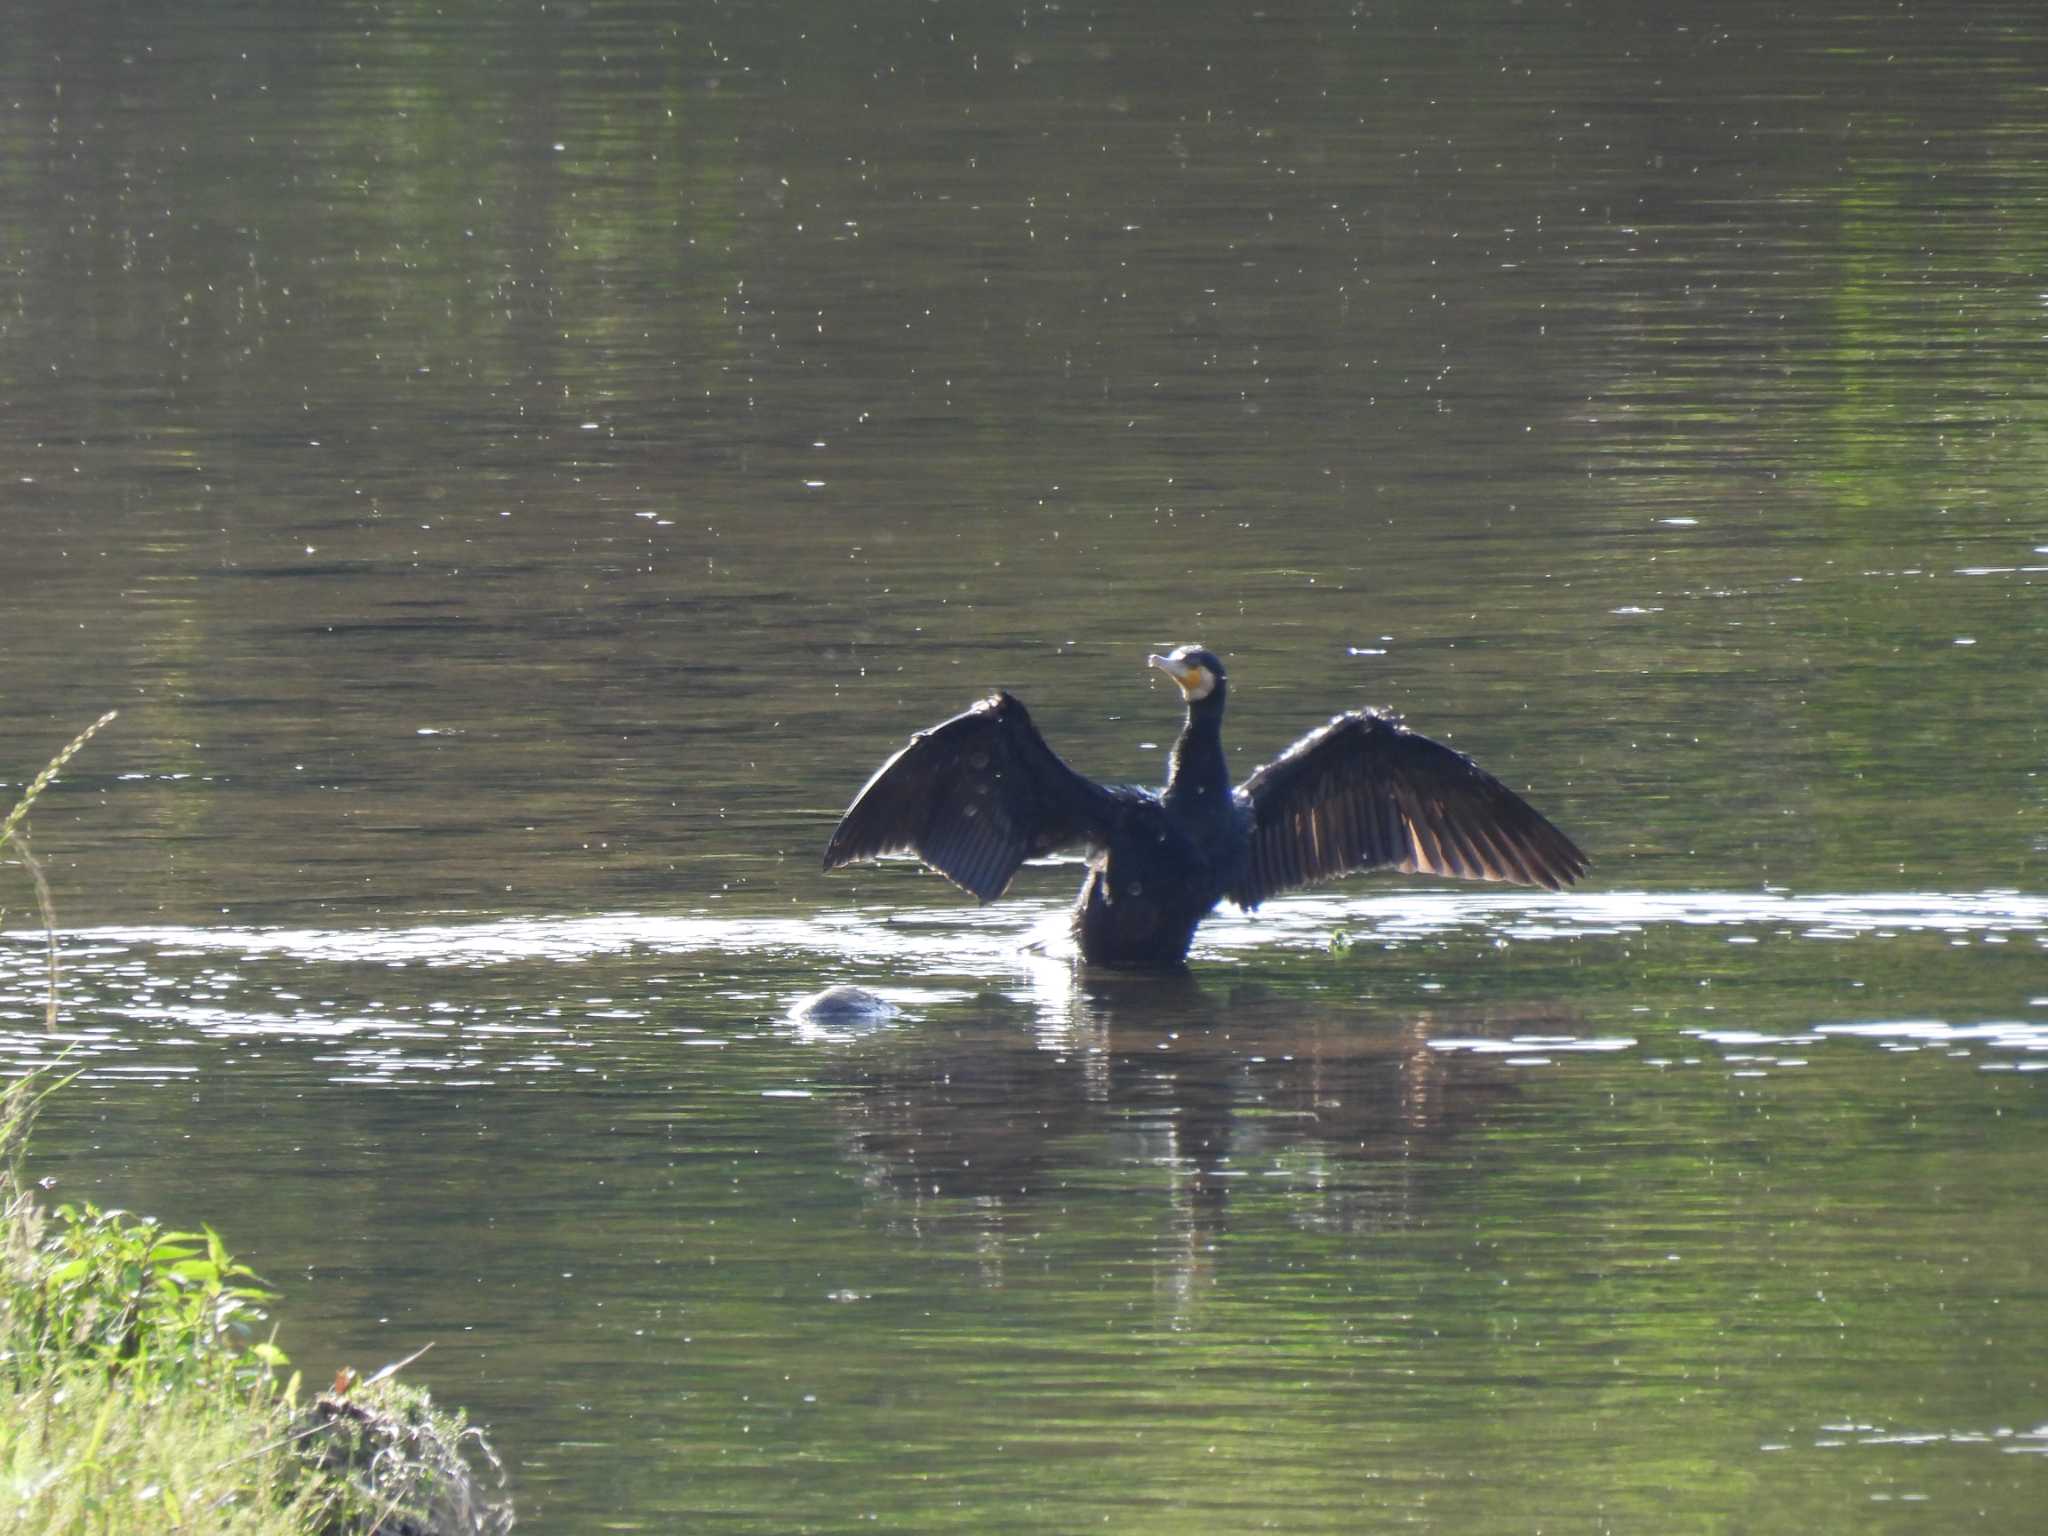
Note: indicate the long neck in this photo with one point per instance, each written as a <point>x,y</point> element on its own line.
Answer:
<point>1198,777</point>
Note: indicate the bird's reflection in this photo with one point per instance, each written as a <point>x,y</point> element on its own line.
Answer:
<point>1009,1102</point>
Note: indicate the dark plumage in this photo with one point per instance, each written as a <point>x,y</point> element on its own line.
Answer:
<point>977,795</point>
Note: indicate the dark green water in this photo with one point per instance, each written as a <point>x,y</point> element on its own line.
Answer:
<point>517,470</point>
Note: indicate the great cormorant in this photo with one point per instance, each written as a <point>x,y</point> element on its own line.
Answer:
<point>977,795</point>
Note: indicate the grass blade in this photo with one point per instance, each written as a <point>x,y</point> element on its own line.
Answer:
<point>50,771</point>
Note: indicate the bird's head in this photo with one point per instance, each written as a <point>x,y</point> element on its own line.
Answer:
<point>1198,672</point>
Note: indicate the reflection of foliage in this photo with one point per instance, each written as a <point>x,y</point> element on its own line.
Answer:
<point>1412,348</point>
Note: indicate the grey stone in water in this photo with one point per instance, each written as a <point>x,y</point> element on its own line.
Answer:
<point>844,1005</point>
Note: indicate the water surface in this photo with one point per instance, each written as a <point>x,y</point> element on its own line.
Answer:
<point>517,471</point>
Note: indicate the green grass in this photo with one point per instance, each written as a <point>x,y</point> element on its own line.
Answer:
<point>133,1396</point>
<point>140,1393</point>
<point>141,1390</point>
<point>18,812</point>
<point>82,1451</point>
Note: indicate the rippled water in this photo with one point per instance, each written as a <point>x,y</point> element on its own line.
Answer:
<point>1019,949</point>
<point>517,472</point>
<point>1618,1198</point>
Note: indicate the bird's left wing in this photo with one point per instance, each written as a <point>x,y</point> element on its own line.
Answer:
<point>974,797</point>
<point>1365,791</point>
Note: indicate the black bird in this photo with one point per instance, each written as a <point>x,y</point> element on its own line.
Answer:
<point>977,795</point>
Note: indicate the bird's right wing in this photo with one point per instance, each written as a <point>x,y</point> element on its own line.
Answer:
<point>1365,791</point>
<point>974,797</point>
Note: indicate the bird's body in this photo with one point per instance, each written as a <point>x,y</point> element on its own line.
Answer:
<point>977,795</point>
<point>1152,882</point>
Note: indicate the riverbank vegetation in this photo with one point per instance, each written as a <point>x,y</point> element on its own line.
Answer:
<point>141,1389</point>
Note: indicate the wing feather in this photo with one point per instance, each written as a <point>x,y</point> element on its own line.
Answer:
<point>973,797</point>
<point>1364,791</point>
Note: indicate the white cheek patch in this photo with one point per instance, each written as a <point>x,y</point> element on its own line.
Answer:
<point>1201,685</point>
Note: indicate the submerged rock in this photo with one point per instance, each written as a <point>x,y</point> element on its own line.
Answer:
<point>844,1005</point>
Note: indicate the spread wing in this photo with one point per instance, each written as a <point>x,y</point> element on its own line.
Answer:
<point>974,797</point>
<point>1365,791</point>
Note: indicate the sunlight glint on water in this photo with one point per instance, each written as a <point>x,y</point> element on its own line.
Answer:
<point>131,988</point>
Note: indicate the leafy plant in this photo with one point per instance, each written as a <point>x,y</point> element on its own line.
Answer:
<point>116,1291</point>
<point>168,1306</point>
<point>136,1393</point>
